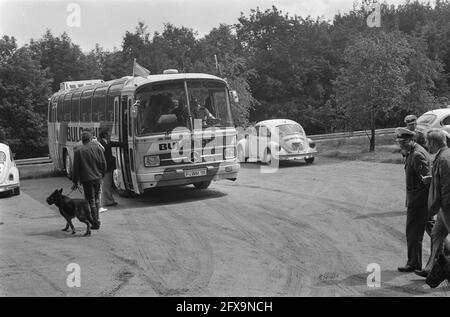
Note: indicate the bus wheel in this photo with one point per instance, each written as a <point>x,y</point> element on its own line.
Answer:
<point>309,160</point>
<point>68,166</point>
<point>202,185</point>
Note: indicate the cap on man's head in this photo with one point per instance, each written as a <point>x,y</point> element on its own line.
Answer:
<point>410,119</point>
<point>403,134</point>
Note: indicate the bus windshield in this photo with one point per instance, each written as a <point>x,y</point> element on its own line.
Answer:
<point>163,106</point>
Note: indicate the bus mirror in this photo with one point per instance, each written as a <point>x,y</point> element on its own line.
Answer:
<point>234,96</point>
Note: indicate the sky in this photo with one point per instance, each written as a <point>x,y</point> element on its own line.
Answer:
<point>106,21</point>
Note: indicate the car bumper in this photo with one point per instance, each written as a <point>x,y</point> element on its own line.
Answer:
<point>8,187</point>
<point>297,156</point>
<point>176,176</point>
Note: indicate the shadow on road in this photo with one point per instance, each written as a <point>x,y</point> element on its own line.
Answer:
<point>387,214</point>
<point>415,286</point>
<point>289,164</point>
<point>58,234</point>
<point>169,196</point>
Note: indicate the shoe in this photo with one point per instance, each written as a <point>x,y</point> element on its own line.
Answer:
<point>94,227</point>
<point>102,210</point>
<point>407,269</point>
<point>421,273</point>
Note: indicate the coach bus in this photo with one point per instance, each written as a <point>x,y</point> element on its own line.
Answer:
<point>173,128</point>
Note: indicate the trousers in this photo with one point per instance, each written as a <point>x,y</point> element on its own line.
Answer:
<point>416,221</point>
<point>107,189</point>
<point>92,196</point>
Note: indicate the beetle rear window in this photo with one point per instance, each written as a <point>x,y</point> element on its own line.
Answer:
<point>2,156</point>
<point>426,119</point>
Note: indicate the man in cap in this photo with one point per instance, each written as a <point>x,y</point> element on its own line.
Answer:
<point>417,172</point>
<point>411,124</point>
<point>89,167</point>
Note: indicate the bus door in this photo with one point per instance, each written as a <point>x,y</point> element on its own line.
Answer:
<point>126,163</point>
<point>55,132</point>
<point>132,144</point>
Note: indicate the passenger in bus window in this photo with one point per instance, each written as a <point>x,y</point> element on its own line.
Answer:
<point>179,109</point>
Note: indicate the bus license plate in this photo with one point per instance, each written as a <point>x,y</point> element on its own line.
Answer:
<point>195,173</point>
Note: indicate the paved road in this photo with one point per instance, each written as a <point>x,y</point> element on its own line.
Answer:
<point>308,230</point>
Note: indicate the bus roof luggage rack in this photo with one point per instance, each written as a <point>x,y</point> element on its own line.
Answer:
<point>67,85</point>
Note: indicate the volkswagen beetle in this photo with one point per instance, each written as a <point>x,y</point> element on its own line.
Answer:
<point>277,139</point>
<point>9,174</point>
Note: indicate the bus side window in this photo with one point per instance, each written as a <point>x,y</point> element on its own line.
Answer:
<point>129,121</point>
<point>75,108</point>
<point>50,112</point>
<point>67,107</point>
<point>86,107</point>
<point>98,105</point>
<point>59,109</point>
<point>110,110</point>
<point>116,114</point>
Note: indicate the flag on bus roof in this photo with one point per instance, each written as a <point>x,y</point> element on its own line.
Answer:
<point>374,19</point>
<point>138,70</point>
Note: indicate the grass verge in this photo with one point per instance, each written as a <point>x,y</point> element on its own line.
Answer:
<point>383,153</point>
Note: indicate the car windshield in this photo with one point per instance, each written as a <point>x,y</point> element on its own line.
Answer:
<point>426,119</point>
<point>163,106</point>
<point>288,129</point>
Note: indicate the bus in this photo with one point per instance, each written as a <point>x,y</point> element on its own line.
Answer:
<point>173,128</point>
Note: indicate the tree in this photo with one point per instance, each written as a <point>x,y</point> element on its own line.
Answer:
<point>64,59</point>
<point>373,81</point>
<point>24,89</point>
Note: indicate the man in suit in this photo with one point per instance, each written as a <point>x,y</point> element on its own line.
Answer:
<point>417,167</point>
<point>439,195</point>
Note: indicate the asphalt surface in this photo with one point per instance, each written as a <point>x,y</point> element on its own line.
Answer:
<point>306,230</point>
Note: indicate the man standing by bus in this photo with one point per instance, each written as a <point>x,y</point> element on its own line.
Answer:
<point>89,167</point>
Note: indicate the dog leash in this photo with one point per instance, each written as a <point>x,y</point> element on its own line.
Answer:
<point>74,190</point>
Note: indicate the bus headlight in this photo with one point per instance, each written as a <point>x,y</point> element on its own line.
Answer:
<point>151,160</point>
<point>230,153</point>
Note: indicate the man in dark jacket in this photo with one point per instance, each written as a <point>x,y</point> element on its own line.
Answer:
<point>417,167</point>
<point>89,167</point>
<point>439,195</point>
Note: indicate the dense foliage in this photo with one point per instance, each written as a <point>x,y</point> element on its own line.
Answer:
<point>329,75</point>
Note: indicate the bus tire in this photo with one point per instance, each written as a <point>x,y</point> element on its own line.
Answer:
<point>202,185</point>
<point>125,193</point>
<point>309,160</point>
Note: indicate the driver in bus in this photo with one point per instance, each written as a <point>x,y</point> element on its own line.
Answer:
<point>201,112</point>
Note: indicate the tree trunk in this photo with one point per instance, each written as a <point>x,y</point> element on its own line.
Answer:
<point>372,128</point>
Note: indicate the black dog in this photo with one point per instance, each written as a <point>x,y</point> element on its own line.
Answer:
<point>71,208</point>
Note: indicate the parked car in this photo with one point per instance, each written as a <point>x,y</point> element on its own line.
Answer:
<point>438,118</point>
<point>278,139</point>
<point>9,174</point>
